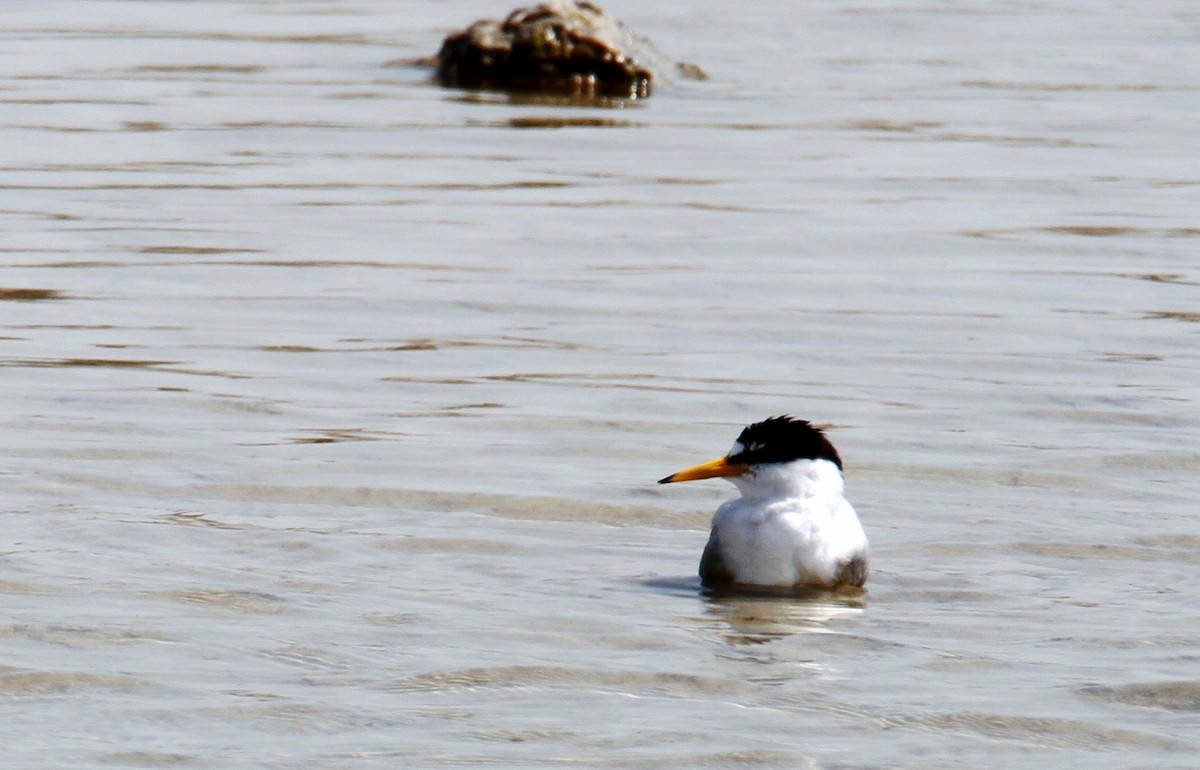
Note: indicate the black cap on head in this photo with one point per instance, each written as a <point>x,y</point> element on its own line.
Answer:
<point>780,440</point>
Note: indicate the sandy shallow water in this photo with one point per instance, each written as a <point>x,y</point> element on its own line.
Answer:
<point>333,400</point>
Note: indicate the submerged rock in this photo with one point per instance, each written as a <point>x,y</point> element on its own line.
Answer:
<point>558,47</point>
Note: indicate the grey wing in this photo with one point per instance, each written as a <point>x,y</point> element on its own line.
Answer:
<point>854,572</point>
<point>713,571</point>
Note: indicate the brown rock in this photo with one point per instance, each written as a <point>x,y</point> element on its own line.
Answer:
<point>560,47</point>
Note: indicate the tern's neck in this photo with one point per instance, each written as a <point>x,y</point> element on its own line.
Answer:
<point>799,478</point>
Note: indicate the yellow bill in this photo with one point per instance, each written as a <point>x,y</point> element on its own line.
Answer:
<point>709,470</point>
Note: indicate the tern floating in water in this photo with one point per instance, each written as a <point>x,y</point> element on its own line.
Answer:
<point>792,526</point>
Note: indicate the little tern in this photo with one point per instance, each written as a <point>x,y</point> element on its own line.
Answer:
<point>792,526</point>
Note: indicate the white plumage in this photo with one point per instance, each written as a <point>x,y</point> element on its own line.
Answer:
<point>792,526</point>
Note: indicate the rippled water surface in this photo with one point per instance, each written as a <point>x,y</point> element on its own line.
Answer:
<point>333,400</point>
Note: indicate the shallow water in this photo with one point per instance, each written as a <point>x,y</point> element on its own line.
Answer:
<point>334,400</point>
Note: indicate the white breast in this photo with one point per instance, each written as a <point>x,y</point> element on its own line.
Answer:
<point>792,526</point>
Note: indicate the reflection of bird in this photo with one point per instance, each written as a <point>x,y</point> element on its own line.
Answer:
<point>791,526</point>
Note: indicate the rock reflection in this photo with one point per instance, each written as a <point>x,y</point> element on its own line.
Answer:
<point>28,295</point>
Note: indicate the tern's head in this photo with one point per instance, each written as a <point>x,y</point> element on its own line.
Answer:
<point>765,446</point>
